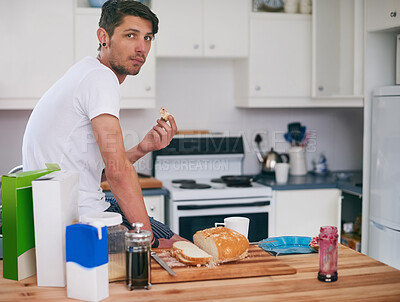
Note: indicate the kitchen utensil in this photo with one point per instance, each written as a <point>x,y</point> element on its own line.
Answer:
<point>297,161</point>
<point>269,160</point>
<point>257,263</point>
<point>138,268</point>
<point>236,180</point>
<point>295,130</point>
<point>162,263</point>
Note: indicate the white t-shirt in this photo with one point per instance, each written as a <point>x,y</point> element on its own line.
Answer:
<point>59,129</point>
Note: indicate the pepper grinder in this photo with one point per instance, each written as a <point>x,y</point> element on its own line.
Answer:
<point>138,247</point>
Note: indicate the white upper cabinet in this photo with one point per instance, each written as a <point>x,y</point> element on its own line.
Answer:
<point>37,38</point>
<point>196,28</point>
<point>382,14</point>
<point>278,71</point>
<point>338,52</point>
<point>136,91</point>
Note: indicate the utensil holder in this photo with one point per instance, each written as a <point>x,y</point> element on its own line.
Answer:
<point>297,161</point>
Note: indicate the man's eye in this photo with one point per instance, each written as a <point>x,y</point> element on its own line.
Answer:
<point>148,38</point>
<point>130,35</point>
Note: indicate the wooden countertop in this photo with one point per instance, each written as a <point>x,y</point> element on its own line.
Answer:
<point>145,183</point>
<point>361,278</point>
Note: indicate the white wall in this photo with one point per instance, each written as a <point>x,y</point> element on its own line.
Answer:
<point>199,92</point>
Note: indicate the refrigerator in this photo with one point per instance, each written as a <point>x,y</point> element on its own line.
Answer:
<point>384,207</point>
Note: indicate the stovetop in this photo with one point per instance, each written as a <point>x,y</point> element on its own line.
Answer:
<point>206,188</point>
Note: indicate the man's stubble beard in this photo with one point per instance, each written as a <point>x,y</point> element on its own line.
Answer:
<point>122,70</point>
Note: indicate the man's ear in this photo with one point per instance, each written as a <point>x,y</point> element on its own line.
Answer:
<point>102,36</point>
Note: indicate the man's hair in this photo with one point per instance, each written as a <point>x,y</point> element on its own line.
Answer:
<point>113,11</point>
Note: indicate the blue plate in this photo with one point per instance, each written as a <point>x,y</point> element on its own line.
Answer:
<point>287,245</point>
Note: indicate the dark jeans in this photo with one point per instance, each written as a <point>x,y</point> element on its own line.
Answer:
<point>159,229</point>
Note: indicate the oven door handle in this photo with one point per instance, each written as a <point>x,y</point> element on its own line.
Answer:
<point>230,205</point>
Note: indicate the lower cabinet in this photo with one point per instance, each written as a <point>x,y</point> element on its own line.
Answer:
<point>303,212</point>
<point>155,207</point>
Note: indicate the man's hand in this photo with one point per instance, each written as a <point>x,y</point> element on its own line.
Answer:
<point>167,243</point>
<point>159,136</point>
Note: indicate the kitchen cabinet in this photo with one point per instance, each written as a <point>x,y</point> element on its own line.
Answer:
<point>136,91</point>
<point>337,73</point>
<point>194,28</point>
<point>278,70</point>
<point>37,38</point>
<point>382,14</point>
<point>155,206</point>
<point>303,212</point>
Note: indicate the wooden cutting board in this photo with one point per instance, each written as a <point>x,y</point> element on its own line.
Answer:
<point>257,263</point>
<point>145,183</point>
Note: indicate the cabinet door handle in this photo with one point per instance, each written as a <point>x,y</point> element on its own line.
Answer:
<point>258,87</point>
<point>148,88</point>
<point>152,208</point>
<point>212,46</point>
<point>196,46</point>
<point>393,14</point>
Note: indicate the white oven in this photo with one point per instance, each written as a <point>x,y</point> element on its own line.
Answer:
<point>191,169</point>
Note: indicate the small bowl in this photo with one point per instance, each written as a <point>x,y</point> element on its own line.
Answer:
<point>97,3</point>
<point>343,175</point>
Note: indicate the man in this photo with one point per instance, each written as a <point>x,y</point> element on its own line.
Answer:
<point>76,122</point>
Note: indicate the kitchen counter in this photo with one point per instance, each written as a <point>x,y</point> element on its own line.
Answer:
<point>360,278</point>
<point>348,181</point>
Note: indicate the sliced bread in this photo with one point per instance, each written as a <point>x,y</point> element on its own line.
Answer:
<point>223,244</point>
<point>188,253</point>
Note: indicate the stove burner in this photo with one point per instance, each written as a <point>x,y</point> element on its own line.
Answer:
<point>238,185</point>
<point>194,186</point>
<point>217,180</point>
<point>183,181</point>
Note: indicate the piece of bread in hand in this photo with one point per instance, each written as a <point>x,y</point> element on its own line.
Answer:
<point>223,244</point>
<point>164,113</point>
<point>187,253</point>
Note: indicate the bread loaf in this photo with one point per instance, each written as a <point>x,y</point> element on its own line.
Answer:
<point>223,244</point>
<point>187,253</point>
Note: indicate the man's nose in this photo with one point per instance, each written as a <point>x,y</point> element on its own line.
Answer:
<point>140,45</point>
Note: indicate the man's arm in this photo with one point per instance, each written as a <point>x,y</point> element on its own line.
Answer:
<point>120,173</point>
<point>157,138</point>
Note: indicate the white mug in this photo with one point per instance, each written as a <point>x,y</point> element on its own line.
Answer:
<point>281,172</point>
<point>238,224</point>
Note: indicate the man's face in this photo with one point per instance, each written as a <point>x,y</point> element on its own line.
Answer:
<point>129,45</point>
